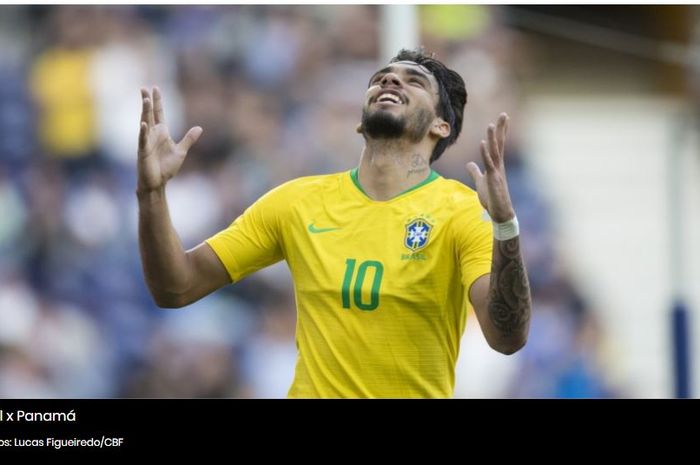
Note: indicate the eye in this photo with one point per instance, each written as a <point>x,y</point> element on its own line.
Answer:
<point>376,79</point>
<point>416,81</point>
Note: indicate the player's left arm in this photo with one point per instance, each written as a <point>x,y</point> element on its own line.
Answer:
<point>501,300</point>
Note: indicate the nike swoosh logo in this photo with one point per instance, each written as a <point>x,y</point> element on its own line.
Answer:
<point>314,230</point>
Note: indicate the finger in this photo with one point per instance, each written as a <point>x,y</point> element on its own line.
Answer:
<point>488,162</point>
<point>147,112</point>
<point>190,138</point>
<point>143,136</point>
<point>144,106</point>
<point>158,106</point>
<point>474,171</point>
<point>493,145</point>
<point>501,131</point>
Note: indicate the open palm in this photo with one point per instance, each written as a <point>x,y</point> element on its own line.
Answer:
<point>492,185</point>
<point>159,157</point>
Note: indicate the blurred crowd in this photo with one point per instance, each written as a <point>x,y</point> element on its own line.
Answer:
<point>278,91</point>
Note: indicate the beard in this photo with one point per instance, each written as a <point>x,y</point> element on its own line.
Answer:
<point>384,125</point>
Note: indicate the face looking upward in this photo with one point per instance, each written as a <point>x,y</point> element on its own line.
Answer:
<point>401,101</point>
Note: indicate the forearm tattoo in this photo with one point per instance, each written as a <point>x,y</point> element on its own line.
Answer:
<point>509,293</point>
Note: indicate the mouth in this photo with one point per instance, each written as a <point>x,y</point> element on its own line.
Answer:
<point>388,97</point>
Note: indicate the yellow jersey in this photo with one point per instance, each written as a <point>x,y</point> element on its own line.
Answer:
<point>381,286</point>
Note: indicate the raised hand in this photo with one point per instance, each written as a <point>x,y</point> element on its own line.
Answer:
<point>159,157</point>
<point>492,185</point>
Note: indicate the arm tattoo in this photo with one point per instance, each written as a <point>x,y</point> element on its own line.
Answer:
<point>509,293</point>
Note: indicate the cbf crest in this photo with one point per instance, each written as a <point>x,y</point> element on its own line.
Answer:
<point>417,234</point>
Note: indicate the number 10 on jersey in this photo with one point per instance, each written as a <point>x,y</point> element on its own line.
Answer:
<point>358,279</point>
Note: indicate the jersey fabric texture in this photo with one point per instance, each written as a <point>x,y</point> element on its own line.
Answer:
<point>381,286</point>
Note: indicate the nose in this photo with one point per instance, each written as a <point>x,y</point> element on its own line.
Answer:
<point>390,78</point>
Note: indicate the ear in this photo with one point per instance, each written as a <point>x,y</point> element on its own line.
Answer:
<point>440,128</point>
<point>358,129</point>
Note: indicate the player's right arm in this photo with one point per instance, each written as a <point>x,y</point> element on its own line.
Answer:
<point>175,277</point>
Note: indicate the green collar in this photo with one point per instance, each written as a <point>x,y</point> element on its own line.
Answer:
<point>431,177</point>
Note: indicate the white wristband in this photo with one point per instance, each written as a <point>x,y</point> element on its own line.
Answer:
<point>507,230</point>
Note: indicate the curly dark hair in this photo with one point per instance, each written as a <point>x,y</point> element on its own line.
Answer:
<point>452,92</point>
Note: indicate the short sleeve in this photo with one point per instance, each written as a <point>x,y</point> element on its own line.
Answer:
<point>473,234</point>
<point>253,240</point>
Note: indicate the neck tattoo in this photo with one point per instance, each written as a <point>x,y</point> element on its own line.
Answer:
<point>418,165</point>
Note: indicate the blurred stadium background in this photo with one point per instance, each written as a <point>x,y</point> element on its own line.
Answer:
<point>602,161</point>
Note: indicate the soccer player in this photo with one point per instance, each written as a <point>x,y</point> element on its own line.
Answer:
<point>385,257</point>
